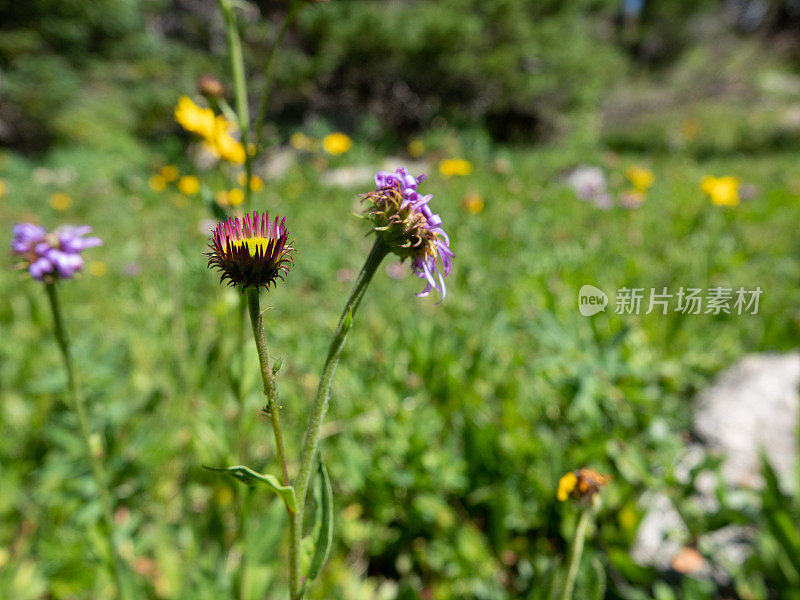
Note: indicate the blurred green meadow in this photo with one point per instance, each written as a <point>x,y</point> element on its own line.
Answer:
<point>450,425</point>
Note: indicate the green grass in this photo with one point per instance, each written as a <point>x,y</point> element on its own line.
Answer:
<point>450,425</point>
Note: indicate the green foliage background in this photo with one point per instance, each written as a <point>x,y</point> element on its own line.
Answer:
<point>450,424</point>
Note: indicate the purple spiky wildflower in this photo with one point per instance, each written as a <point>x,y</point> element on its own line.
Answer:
<point>54,254</point>
<point>250,252</point>
<point>405,221</point>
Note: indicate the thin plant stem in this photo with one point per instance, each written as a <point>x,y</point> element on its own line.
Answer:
<point>576,553</point>
<point>240,89</point>
<point>95,454</point>
<point>271,392</point>
<point>269,67</point>
<point>311,438</point>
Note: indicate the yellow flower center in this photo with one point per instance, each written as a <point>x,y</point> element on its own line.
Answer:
<point>253,244</point>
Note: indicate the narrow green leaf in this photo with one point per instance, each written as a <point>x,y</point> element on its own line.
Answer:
<point>325,537</point>
<point>248,476</point>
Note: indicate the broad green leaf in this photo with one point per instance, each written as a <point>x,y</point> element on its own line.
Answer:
<point>248,476</point>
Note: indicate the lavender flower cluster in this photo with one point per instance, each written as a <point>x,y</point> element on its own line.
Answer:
<point>52,254</point>
<point>424,262</point>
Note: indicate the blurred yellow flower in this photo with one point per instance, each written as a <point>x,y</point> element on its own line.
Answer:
<point>98,268</point>
<point>169,172</point>
<point>215,130</point>
<point>336,143</point>
<point>723,191</point>
<point>195,119</point>
<point>416,148</point>
<point>189,185</point>
<point>582,484</point>
<point>300,141</point>
<point>256,183</point>
<point>473,203</point>
<point>222,198</point>
<point>640,177</point>
<point>222,144</point>
<point>450,167</point>
<point>235,197</point>
<point>232,197</point>
<point>565,486</point>
<point>60,201</point>
<point>157,183</point>
<point>2,188</point>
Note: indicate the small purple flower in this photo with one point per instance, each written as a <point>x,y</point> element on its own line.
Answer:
<point>48,255</point>
<point>250,252</point>
<point>405,221</point>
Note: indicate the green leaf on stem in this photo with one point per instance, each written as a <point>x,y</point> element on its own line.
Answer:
<point>325,535</point>
<point>247,476</point>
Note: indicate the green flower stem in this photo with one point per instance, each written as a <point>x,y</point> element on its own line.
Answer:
<point>240,88</point>
<point>311,439</point>
<point>577,552</point>
<point>271,392</point>
<point>94,453</point>
<point>269,66</point>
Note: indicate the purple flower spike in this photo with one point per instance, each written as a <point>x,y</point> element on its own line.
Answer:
<point>250,252</point>
<point>51,255</point>
<point>405,221</point>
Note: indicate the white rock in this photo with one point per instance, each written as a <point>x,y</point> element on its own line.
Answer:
<point>753,407</point>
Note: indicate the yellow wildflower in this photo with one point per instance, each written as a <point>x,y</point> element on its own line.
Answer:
<point>723,191</point>
<point>235,197</point>
<point>224,145</point>
<point>60,201</point>
<point>2,188</point>
<point>336,143</point>
<point>416,148</point>
<point>473,203</point>
<point>583,484</point>
<point>566,484</point>
<point>222,198</point>
<point>256,183</point>
<point>98,268</point>
<point>195,119</point>
<point>157,183</point>
<point>169,172</point>
<point>457,167</point>
<point>189,185</point>
<point>640,177</point>
<point>232,197</point>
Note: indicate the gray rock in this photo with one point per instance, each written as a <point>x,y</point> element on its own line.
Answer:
<point>753,407</point>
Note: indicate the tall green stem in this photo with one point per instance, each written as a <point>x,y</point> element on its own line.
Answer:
<point>240,89</point>
<point>577,552</point>
<point>311,438</point>
<point>269,67</point>
<point>271,392</point>
<point>95,454</point>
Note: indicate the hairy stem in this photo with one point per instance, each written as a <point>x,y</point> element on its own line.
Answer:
<point>271,392</point>
<point>311,438</point>
<point>95,454</point>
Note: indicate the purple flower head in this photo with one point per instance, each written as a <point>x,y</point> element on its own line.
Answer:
<point>405,221</point>
<point>49,255</point>
<point>250,252</point>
